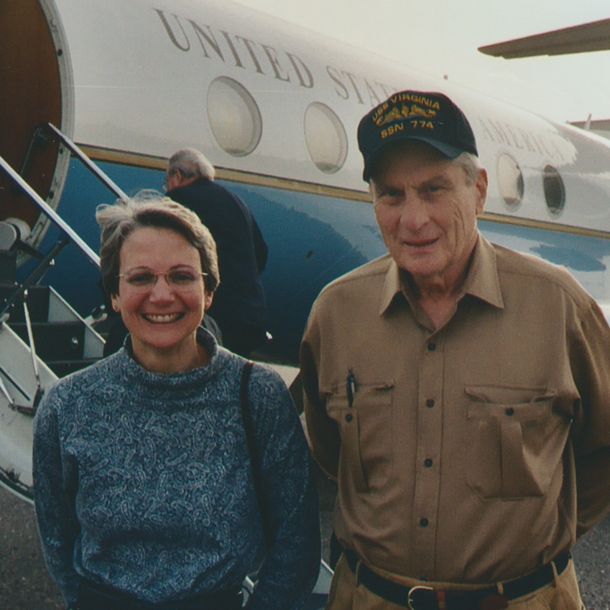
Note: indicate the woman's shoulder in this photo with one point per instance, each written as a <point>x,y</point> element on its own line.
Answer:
<point>264,381</point>
<point>85,386</point>
<point>269,395</point>
<point>268,380</point>
<point>262,376</point>
<point>90,378</point>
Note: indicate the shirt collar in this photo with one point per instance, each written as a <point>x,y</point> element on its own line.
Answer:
<point>482,281</point>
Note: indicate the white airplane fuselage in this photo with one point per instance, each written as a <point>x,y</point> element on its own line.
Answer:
<point>275,108</point>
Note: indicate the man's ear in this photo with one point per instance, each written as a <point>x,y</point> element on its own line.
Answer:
<point>174,179</point>
<point>481,188</point>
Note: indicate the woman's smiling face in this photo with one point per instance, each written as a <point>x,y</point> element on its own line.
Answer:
<point>163,318</point>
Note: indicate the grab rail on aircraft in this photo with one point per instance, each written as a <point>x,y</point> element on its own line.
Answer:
<point>46,209</point>
<point>67,234</point>
<point>39,135</point>
<point>20,291</point>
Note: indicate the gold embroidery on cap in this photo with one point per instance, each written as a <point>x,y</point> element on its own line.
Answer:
<point>415,124</point>
<point>390,131</point>
<point>417,99</point>
<point>405,112</point>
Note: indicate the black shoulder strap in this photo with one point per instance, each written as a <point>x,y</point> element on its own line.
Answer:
<point>255,461</point>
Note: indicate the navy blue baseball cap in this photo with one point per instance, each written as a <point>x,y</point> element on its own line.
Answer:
<point>429,117</point>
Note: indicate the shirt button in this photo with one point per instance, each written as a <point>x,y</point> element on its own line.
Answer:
<point>510,411</point>
<point>430,402</point>
<point>431,346</point>
<point>424,522</point>
<point>349,417</point>
<point>428,463</point>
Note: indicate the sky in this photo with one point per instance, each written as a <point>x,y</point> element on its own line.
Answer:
<point>447,33</point>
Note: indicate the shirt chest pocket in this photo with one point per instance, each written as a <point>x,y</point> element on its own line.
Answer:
<point>515,448</point>
<point>365,420</point>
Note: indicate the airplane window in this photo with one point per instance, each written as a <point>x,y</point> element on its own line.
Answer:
<point>325,137</point>
<point>554,190</point>
<point>234,117</point>
<point>510,181</point>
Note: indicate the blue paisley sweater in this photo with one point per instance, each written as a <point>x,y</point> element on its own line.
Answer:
<point>143,482</point>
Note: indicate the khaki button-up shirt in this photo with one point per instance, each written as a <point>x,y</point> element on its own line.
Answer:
<point>474,452</point>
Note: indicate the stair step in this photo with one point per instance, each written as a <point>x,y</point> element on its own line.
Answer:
<point>8,266</point>
<point>54,340</point>
<point>38,303</point>
<point>64,367</point>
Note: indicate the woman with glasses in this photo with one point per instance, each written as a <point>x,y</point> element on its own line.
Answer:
<point>148,494</point>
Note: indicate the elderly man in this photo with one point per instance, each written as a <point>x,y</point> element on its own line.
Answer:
<point>458,391</point>
<point>239,303</point>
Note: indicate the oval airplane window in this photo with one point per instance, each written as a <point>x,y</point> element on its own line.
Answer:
<point>234,117</point>
<point>325,138</point>
<point>554,190</point>
<point>510,181</point>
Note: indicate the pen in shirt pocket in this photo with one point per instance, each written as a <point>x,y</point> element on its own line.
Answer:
<point>351,387</point>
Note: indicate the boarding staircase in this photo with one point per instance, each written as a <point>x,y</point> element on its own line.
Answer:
<point>42,338</point>
<point>45,322</point>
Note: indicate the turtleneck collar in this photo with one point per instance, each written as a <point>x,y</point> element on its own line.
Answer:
<point>134,373</point>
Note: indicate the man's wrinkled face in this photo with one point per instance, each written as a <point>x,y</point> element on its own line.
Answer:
<point>426,207</point>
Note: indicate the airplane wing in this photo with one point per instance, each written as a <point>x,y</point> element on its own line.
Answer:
<point>598,126</point>
<point>593,36</point>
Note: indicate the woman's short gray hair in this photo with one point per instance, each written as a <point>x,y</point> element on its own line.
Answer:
<point>151,209</point>
<point>191,163</point>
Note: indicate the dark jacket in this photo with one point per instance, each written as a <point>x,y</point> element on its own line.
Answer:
<point>242,254</point>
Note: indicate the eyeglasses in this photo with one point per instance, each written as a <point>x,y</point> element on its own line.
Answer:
<point>143,280</point>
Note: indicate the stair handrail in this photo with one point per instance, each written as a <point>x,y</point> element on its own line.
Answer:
<point>28,322</point>
<point>50,212</point>
<point>33,278</point>
<point>92,167</point>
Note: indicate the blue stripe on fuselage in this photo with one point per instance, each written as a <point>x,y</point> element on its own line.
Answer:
<point>312,239</point>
